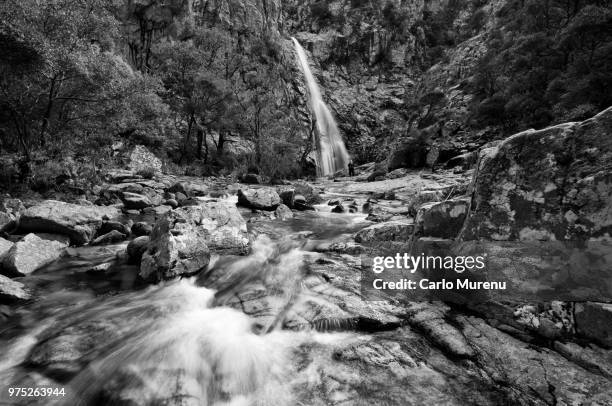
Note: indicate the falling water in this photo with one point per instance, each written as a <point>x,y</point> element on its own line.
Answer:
<point>331,153</point>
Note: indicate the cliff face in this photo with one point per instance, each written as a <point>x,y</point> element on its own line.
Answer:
<point>384,67</point>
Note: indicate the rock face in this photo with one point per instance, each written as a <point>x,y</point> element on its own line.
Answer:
<point>397,230</point>
<point>412,153</point>
<point>182,240</point>
<point>259,199</point>
<point>80,223</point>
<point>551,184</point>
<point>142,160</point>
<point>594,320</point>
<point>12,291</point>
<point>441,219</point>
<point>33,252</point>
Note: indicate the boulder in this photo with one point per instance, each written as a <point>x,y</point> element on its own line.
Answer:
<point>287,194</point>
<point>259,199</point>
<point>179,187</point>
<point>133,201</point>
<point>550,184</point>
<point>12,291</point>
<point>396,230</point>
<point>441,219</point>
<point>79,223</point>
<point>5,247</point>
<point>182,240</point>
<point>136,248</point>
<point>33,252</point>
<point>10,211</point>
<point>339,208</point>
<point>142,160</point>
<point>119,189</point>
<point>283,212</point>
<point>172,203</point>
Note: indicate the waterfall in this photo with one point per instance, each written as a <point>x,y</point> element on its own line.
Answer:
<point>331,152</point>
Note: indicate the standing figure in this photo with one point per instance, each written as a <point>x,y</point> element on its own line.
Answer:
<point>351,168</point>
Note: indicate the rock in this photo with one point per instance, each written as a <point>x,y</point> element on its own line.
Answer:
<point>142,160</point>
<point>259,199</point>
<point>397,173</point>
<point>179,187</point>
<point>550,184</point>
<point>141,228</point>
<point>33,252</point>
<point>425,196</point>
<point>10,212</point>
<point>333,202</point>
<point>463,161</point>
<point>251,179</point>
<point>80,223</point>
<point>119,175</point>
<point>338,209</point>
<point>103,267</point>
<point>5,247</point>
<point>109,226</point>
<point>133,201</point>
<point>380,170</point>
<point>182,240</point>
<point>411,153</point>
<point>283,212</point>
<point>180,196</point>
<point>119,189</point>
<point>301,203</point>
<point>310,194</point>
<point>110,237</point>
<point>161,210</point>
<point>287,195</point>
<point>12,291</point>
<point>442,219</point>
<point>594,321</point>
<point>136,248</point>
<point>397,230</point>
<point>172,203</point>
<point>190,201</point>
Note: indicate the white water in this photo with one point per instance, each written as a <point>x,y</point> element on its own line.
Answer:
<point>331,152</point>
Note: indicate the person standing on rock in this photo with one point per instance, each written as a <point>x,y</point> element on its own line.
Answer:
<point>351,168</point>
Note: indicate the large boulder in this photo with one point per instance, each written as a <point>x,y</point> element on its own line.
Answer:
<point>5,247</point>
<point>182,239</point>
<point>594,321</point>
<point>259,199</point>
<point>441,219</point>
<point>396,230</point>
<point>12,291</point>
<point>142,160</point>
<point>33,252</point>
<point>550,184</point>
<point>80,223</point>
<point>10,211</point>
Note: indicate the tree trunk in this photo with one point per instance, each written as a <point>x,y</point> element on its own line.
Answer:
<point>200,136</point>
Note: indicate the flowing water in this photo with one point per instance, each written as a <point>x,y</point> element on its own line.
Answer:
<point>331,151</point>
<point>107,339</point>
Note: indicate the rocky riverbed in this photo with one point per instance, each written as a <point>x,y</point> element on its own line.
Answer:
<point>187,291</point>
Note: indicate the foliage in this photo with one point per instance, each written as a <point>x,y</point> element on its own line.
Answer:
<point>547,62</point>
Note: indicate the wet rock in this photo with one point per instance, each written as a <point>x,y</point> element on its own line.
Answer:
<point>259,199</point>
<point>141,228</point>
<point>283,212</point>
<point>442,219</point>
<point>333,202</point>
<point>180,196</point>
<point>182,239</point>
<point>110,237</point>
<point>119,189</point>
<point>179,187</point>
<point>301,203</point>
<point>12,291</point>
<point>286,194</point>
<point>133,201</point>
<point>550,184</point>
<point>594,321</point>
<point>136,248</point>
<point>33,252</point>
<point>338,209</point>
<point>143,161</point>
<point>80,223</point>
<point>310,193</point>
<point>397,230</point>
<point>119,175</point>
